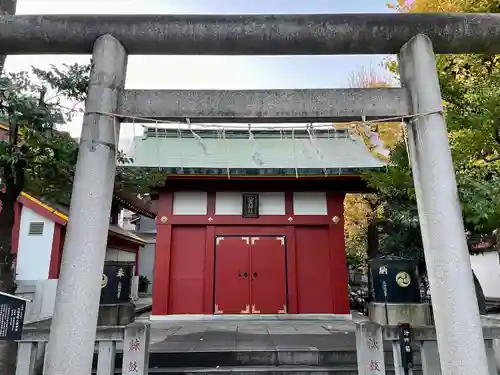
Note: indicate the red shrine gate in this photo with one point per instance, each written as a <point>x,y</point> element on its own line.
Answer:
<point>253,224</point>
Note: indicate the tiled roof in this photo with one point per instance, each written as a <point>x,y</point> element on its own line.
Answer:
<point>125,233</point>
<point>133,203</point>
<point>335,152</point>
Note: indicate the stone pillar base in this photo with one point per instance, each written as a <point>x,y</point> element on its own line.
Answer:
<point>416,314</point>
<point>116,314</point>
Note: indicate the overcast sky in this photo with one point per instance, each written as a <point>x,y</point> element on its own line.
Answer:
<point>212,72</point>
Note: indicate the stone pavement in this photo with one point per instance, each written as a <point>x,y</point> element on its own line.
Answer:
<point>252,335</point>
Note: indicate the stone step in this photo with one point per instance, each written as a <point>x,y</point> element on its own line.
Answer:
<point>273,358</point>
<point>266,370</point>
<point>259,358</point>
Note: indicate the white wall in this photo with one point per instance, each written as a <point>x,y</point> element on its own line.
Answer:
<point>231,203</point>
<point>42,294</point>
<point>34,251</point>
<point>309,203</point>
<point>190,203</point>
<point>147,259</point>
<point>486,266</point>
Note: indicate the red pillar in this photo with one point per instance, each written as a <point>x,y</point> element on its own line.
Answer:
<point>335,202</point>
<point>161,283</point>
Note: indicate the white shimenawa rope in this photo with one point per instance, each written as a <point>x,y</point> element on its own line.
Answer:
<point>258,126</point>
<point>133,148</point>
<point>318,151</point>
<point>225,153</point>
<point>117,138</point>
<point>197,137</point>
<point>221,137</point>
<point>255,152</point>
<point>158,153</point>
<point>308,127</point>
<point>404,128</point>
<point>294,155</point>
<point>179,136</point>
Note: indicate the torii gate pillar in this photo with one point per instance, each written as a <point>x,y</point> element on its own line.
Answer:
<point>458,325</point>
<point>73,331</point>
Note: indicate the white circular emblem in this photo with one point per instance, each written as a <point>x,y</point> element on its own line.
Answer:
<point>403,279</point>
<point>104,281</point>
<point>164,219</point>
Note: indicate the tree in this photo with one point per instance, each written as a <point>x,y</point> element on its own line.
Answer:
<point>34,157</point>
<point>446,6</point>
<point>362,211</point>
<point>469,85</point>
<point>40,159</point>
<point>471,92</point>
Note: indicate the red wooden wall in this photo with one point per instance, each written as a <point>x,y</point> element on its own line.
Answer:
<point>314,282</point>
<point>187,265</point>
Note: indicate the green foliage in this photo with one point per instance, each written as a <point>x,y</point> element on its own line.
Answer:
<point>470,86</point>
<point>72,81</point>
<point>400,231</point>
<point>34,105</point>
<point>479,193</point>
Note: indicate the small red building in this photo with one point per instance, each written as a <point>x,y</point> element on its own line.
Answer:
<point>251,222</point>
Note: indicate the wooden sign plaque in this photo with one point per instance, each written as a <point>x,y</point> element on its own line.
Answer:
<point>250,205</point>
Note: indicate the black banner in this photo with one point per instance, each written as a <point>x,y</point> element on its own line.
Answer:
<point>12,310</point>
<point>405,343</point>
<point>251,205</point>
<point>116,283</point>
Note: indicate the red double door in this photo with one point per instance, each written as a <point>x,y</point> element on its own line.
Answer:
<point>250,275</point>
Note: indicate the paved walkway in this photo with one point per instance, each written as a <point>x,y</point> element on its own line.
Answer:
<point>209,336</point>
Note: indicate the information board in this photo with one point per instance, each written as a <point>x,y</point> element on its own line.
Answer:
<point>12,310</point>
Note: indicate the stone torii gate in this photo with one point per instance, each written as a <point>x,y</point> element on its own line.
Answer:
<point>111,38</point>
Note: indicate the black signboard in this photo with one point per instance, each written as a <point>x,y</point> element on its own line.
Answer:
<point>405,343</point>
<point>116,283</point>
<point>394,279</point>
<point>12,310</point>
<point>251,205</point>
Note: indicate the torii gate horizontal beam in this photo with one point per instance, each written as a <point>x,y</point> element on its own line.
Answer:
<point>324,34</point>
<point>265,106</point>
